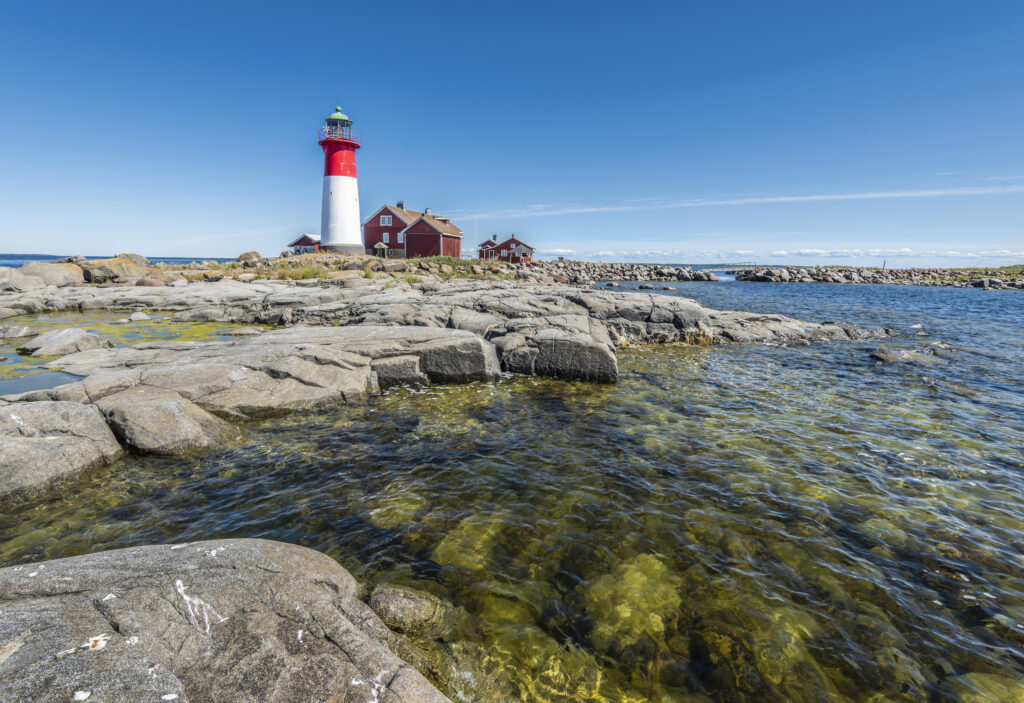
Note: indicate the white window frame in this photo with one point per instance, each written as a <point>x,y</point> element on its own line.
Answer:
<point>401,237</point>
<point>385,220</point>
<point>385,240</point>
<point>504,252</point>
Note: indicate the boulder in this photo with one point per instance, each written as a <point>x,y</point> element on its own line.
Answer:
<point>412,611</point>
<point>107,270</point>
<point>394,266</point>
<point>138,317</point>
<point>213,276</point>
<point>231,621</point>
<point>54,274</point>
<point>65,341</point>
<point>44,442</point>
<point>18,282</point>
<point>249,256</point>
<point>16,331</point>
<point>137,259</point>
<point>150,282</point>
<point>156,421</point>
<point>399,371</point>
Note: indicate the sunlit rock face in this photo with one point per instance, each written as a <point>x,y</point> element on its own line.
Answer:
<point>225,620</point>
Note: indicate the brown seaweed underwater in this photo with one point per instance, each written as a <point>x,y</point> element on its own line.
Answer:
<point>735,523</point>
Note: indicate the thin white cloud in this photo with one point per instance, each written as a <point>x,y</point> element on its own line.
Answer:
<point>554,210</point>
<point>560,252</point>
<point>679,256</point>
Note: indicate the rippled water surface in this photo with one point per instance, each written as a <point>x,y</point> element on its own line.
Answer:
<point>736,523</point>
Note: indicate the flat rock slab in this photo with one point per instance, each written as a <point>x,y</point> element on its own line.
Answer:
<point>156,421</point>
<point>230,621</point>
<point>554,330</point>
<point>41,443</point>
<point>278,371</point>
<point>66,341</point>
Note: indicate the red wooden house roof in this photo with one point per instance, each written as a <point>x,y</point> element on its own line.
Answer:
<point>438,222</point>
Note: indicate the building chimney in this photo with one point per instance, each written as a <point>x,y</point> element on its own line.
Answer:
<point>426,211</point>
<point>401,204</point>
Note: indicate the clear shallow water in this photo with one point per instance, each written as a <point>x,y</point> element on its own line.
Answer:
<point>737,523</point>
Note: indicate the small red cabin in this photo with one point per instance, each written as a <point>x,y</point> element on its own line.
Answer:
<point>408,234</point>
<point>512,250</point>
<point>305,244</point>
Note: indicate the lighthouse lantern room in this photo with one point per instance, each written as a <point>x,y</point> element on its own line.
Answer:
<point>339,220</point>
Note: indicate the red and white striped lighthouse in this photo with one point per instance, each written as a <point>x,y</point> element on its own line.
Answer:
<point>339,219</point>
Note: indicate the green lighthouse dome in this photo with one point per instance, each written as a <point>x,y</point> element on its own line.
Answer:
<point>338,117</point>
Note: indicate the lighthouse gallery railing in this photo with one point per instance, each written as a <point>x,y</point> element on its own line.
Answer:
<point>339,133</point>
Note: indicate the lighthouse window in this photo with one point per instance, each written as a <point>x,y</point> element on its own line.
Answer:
<point>385,220</point>
<point>385,237</point>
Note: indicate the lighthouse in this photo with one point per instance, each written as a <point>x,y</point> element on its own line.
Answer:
<point>339,219</point>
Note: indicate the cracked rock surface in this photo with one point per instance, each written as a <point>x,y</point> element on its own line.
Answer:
<point>236,620</point>
<point>42,443</point>
<point>338,344</point>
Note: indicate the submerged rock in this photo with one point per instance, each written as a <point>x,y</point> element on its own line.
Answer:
<point>66,341</point>
<point>227,621</point>
<point>632,602</point>
<point>41,443</point>
<point>411,611</point>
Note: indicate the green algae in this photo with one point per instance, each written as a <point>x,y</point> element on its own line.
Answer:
<point>160,327</point>
<point>633,602</point>
<point>726,524</point>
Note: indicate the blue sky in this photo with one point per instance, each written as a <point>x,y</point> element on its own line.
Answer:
<point>689,131</point>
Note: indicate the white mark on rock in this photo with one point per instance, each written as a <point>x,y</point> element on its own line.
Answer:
<point>213,552</point>
<point>97,642</point>
<point>377,688</point>
<point>178,546</point>
<point>64,653</point>
<point>169,697</point>
<point>81,695</point>
<point>197,608</point>
<point>109,596</point>
<point>132,641</point>
<point>300,635</point>
<point>17,420</point>
<point>33,574</point>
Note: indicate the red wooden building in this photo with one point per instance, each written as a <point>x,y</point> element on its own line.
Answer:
<point>512,250</point>
<point>305,244</point>
<point>407,234</point>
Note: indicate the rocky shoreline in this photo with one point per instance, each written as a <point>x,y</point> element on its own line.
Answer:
<point>1007,278</point>
<point>332,341</point>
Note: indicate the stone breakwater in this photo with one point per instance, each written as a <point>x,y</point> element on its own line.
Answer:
<point>250,620</point>
<point>956,278</point>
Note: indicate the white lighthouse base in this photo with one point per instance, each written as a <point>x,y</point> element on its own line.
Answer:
<point>340,230</point>
<point>344,248</point>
